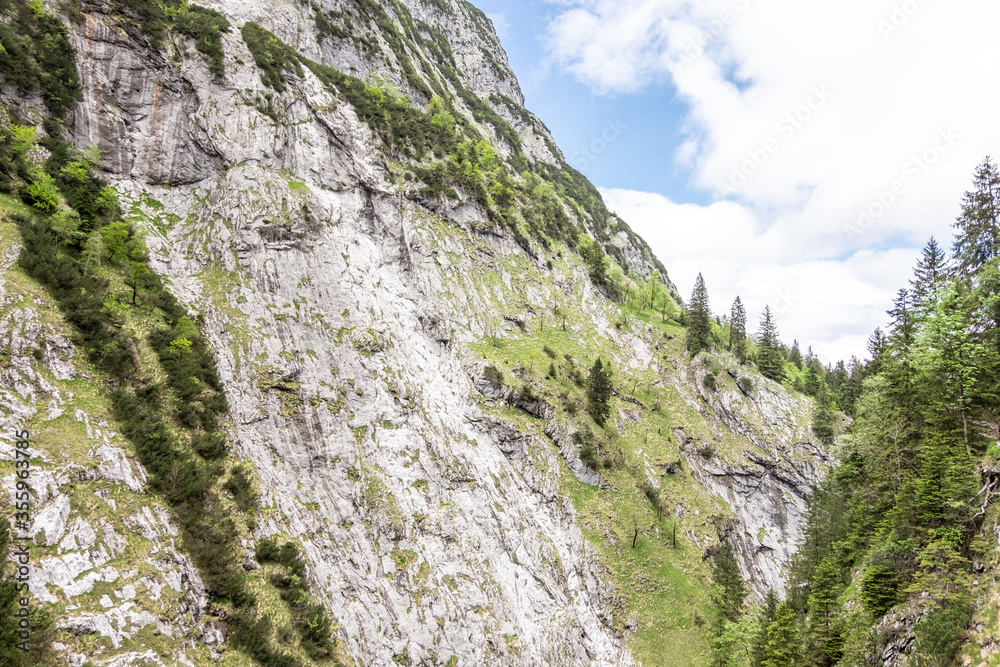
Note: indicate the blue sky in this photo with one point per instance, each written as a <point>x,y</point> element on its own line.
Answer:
<point>797,154</point>
<point>641,157</point>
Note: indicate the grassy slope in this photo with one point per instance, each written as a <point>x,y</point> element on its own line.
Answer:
<point>663,591</point>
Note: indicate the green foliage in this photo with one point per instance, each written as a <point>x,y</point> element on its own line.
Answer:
<point>595,259</point>
<point>242,490</point>
<point>698,319</point>
<point>326,27</point>
<point>770,361</point>
<point>978,237</point>
<point>206,27</point>
<point>782,647</point>
<point>599,392</point>
<point>309,618</point>
<point>403,128</point>
<point>653,496</point>
<point>41,191</point>
<point>824,421</point>
<point>903,505</point>
<point>729,588</point>
<point>271,55</point>
<point>710,382</point>
<point>36,56</point>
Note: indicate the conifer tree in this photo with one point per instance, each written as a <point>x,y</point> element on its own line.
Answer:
<point>770,361</point>
<point>738,330</point>
<point>599,392</point>
<point>699,324</point>
<point>902,318</point>
<point>823,419</point>
<point>978,236</point>
<point>825,629</point>
<point>876,346</point>
<point>929,275</point>
<point>766,615</point>
<point>782,648</point>
<point>795,355</point>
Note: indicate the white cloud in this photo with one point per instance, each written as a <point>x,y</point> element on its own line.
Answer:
<point>807,115</point>
<point>831,305</point>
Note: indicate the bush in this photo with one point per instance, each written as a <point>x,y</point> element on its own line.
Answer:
<point>653,496</point>
<point>206,27</point>
<point>310,620</point>
<point>41,192</point>
<point>880,588</point>
<point>37,57</point>
<point>549,352</point>
<point>272,56</point>
<point>710,382</point>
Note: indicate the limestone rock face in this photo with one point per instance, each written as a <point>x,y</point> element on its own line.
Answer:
<point>768,487</point>
<point>344,314</point>
<point>102,547</point>
<point>335,287</point>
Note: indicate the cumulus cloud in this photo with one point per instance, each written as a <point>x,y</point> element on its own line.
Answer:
<point>823,130</point>
<point>832,305</point>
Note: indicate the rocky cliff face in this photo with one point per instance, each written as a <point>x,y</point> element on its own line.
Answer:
<point>351,316</point>
<point>768,485</point>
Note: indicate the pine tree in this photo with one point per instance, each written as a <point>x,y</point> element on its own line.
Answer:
<point>738,330</point>
<point>766,615</point>
<point>699,324</point>
<point>824,420</point>
<point>782,648</point>
<point>770,361</point>
<point>730,588</point>
<point>795,355</point>
<point>929,276</point>
<point>978,236</point>
<point>902,318</point>
<point>599,392</point>
<point>877,344</point>
<point>826,632</point>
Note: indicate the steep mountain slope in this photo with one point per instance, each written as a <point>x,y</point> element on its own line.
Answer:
<point>404,286</point>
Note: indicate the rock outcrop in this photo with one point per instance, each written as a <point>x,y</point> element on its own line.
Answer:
<point>345,310</point>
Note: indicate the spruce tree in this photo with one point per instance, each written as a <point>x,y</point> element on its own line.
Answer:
<point>823,419</point>
<point>770,361</point>
<point>599,392</point>
<point>877,344</point>
<point>902,318</point>
<point>766,615</point>
<point>978,236</point>
<point>929,276</point>
<point>795,355</point>
<point>738,330</point>
<point>699,324</point>
<point>782,648</point>
<point>826,632</point>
